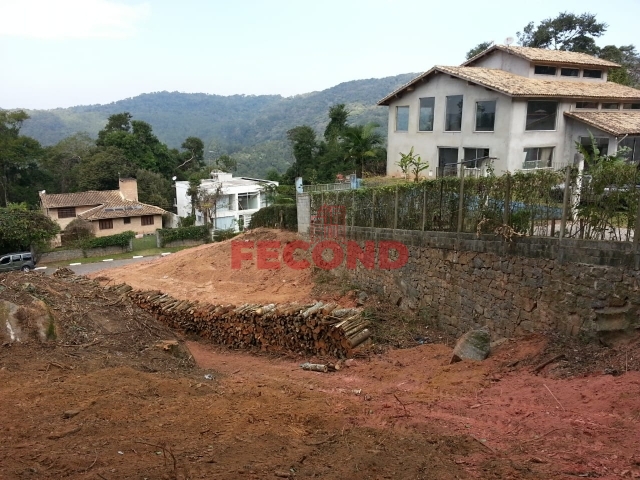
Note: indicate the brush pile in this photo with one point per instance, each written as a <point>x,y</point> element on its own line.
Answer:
<point>319,328</point>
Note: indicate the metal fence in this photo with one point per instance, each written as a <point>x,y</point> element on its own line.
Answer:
<point>544,203</point>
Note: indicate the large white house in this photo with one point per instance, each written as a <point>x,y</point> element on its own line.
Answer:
<point>239,199</point>
<point>523,107</point>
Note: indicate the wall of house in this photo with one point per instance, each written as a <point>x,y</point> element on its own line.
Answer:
<point>426,143</point>
<point>119,226</point>
<point>460,281</point>
<point>502,61</point>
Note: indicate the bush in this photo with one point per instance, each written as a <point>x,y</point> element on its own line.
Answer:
<point>225,234</point>
<point>77,233</point>
<point>168,235</point>
<point>283,216</point>
<point>119,240</point>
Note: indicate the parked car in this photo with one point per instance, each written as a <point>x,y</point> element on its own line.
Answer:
<point>17,261</point>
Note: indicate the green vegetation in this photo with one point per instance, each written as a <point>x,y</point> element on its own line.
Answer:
<point>283,216</point>
<point>118,240</point>
<point>21,229</point>
<point>251,130</point>
<point>168,235</point>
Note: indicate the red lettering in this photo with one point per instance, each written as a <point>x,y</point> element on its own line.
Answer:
<point>319,249</point>
<point>385,262</point>
<point>266,255</point>
<point>287,254</point>
<point>367,257</point>
<point>237,255</point>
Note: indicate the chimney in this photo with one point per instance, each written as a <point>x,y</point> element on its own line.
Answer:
<point>129,189</point>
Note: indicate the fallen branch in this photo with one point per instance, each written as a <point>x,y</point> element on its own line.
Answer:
<point>164,452</point>
<point>554,397</point>
<point>482,443</point>
<point>406,414</point>
<point>544,364</point>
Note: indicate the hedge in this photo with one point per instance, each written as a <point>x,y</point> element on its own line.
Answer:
<point>168,235</point>
<point>276,216</point>
<point>119,240</point>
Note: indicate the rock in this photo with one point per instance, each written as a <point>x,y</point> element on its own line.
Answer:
<point>473,345</point>
<point>497,343</point>
<point>362,297</point>
<point>70,413</point>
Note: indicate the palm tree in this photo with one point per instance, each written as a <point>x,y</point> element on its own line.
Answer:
<point>361,142</point>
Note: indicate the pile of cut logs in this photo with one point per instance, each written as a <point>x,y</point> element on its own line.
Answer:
<point>319,328</point>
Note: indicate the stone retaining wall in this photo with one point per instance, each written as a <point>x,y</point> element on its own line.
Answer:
<point>459,281</point>
<point>64,255</point>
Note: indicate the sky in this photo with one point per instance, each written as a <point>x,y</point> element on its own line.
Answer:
<point>62,53</point>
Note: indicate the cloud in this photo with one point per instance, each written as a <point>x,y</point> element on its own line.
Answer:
<point>53,19</point>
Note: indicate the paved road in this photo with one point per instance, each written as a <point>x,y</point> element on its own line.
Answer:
<point>97,266</point>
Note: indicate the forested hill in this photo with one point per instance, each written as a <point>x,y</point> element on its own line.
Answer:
<point>250,128</point>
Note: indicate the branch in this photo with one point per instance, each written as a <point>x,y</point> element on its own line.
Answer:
<point>187,161</point>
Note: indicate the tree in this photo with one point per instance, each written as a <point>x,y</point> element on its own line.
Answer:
<point>481,47</point>
<point>361,143</point>
<point>18,156</point>
<point>194,155</point>
<point>305,147</point>
<point>410,162</point>
<point>102,170</point>
<point>77,231</point>
<point>62,159</point>
<point>154,189</point>
<point>119,122</point>
<point>207,203</point>
<point>226,164</point>
<point>22,229</point>
<point>338,115</point>
<point>567,31</point>
<point>629,58</point>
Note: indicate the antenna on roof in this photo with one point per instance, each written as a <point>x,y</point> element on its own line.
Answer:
<point>508,41</point>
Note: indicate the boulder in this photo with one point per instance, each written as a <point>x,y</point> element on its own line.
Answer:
<point>473,345</point>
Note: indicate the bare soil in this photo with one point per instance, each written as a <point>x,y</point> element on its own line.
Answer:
<point>114,394</point>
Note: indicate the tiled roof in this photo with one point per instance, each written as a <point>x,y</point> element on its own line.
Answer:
<point>80,199</point>
<point>543,55</point>
<point>519,86</point>
<point>119,209</point>
<point>616,123</point>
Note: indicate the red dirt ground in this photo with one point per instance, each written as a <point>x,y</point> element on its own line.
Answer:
<point>204,273</point>
<point>135,411</point>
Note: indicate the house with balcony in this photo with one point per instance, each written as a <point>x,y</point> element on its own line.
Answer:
<point>521,108</point>
<point>238,199</point>
<point>108,211</point>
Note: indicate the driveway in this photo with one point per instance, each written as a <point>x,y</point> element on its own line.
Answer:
<point>97,266</point>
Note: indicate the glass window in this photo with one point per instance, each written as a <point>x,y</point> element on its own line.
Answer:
<point>569,72</point>
<point>26,256</point>
<point>447,162</point>
<point>538,157</point>
<point>485,116</point>
<point>610,106</point>
<point>147,220</point>
<point>587,105</point>
<point>5,260</point>
<point>105,224</point>
<point>592,73</point>
<point>541,115</point>
<point>632,144</point>
<point>601,143</point>
<point>426,114</point>
<point>15,258</point>
<point>402,119</point>
<point>473,154</point>
<point>631,106</point>
<point>127,220</point>
<point>544,70</point>
<point>68,212</point>
<point>453,121</point>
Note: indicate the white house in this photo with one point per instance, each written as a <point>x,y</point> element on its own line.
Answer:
<point>524,108</point>
<point>239,199</point>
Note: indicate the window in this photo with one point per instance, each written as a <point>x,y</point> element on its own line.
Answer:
<point>541,115</point>
<point>610,106</point>
<point>592,73</point>
<point>539,157</point>
<point>15,258</point>
<point>474,153</point>
<point>453,121</point>
<point>105,224</point>
<point>587,105</point>
<point>633,146</point>
<point>447,162</point>
<point>402,119</point>
<point>26,256</point>
<point>631,106</point>
<point>544,70</point>
<point>127,220</point>
<point>601,143</point>
<point>485,116</point>
<point>426,114</point>
<point>569,72</point>
<point>68,212</point>
<point>5,260</point>
<point>146,220</point>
